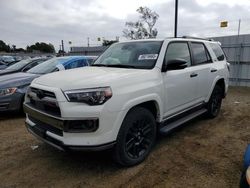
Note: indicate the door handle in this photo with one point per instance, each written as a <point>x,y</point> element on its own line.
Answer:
<point>213,70</point>
<point>193,75</point>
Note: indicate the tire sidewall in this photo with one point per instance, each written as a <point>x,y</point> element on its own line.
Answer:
<point>133,115</point>
<point>217,91</point>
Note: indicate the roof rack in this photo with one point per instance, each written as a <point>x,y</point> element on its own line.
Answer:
<point>190,37</point>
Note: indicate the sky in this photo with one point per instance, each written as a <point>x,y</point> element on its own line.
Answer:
<point>24,22</point>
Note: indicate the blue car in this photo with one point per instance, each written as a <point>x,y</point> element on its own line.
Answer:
<point>14,86</point>
<point>245,177</point>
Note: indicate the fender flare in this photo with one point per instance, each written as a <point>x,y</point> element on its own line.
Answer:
<point>142,99</point>
<point>213,85</point>
<point>135,102</point>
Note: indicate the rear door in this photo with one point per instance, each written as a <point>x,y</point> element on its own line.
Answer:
<point>180,85</point>
<point>202,65</point>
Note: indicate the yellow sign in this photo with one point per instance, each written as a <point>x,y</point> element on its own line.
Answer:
<point>223,24</point>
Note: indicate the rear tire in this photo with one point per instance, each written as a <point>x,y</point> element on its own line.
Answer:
<point>214,103</point>
<point>136,137</point>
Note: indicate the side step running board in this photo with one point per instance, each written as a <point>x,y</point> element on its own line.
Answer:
<point>168,127</point>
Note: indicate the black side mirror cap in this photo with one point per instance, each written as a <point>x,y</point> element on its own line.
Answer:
<point>174,64</point>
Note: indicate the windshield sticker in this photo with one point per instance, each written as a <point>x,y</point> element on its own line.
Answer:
<point>148,57</point>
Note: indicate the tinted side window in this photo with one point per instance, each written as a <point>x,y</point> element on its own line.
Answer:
<point>218,51</point>
<point>200,53</point>
<point>82,63</point>
<point>28,67</point>
<point>72,65</point>
<point>178,50</point>
<point>76,64</point>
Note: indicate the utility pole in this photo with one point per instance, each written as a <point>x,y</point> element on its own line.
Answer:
<point>176,18</point>
<point>88,41</point>
<point>238,55</point>
<point>62,48</point>
<point>239,27</point>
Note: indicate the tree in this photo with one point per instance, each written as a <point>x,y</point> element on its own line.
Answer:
<point>4,47</point>
<point>143,28</point>
<point>42,47</point>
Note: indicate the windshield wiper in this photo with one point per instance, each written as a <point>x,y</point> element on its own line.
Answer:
<point>114,65</point>
<point>99,65</point>
<point>121,66</point>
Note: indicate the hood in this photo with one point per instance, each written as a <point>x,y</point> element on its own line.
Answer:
<point>16,79</point>
<point>7,71</point>
<point>90,77</point>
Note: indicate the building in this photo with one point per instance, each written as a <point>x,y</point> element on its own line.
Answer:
<point>237,50</point>
<point>94,50</point>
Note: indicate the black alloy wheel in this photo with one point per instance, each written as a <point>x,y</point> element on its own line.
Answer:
<point>136,137</point>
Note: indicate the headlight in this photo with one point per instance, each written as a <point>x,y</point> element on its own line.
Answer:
<point>95,96</point>
<point>7,91</point>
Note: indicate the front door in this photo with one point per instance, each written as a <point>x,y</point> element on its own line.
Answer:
<point>180,86</point>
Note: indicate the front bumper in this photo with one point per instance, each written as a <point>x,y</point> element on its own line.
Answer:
<point>11,102</point>
<point>50,129</point>
<point>43,136</point>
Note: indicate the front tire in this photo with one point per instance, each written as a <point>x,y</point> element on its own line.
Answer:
<point>214,103</point>
<point>136,137</point>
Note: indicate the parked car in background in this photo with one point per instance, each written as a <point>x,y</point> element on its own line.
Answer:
<point>7,59</point>
<point>18,58</point>
<point>22,66</point>
<point>2,65</point>
<point>245,176</point>
<point>14,86</point>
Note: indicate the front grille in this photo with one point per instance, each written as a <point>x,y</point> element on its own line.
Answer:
<point>41,127</point>
<point>46,93</point>
<point>44,101</point>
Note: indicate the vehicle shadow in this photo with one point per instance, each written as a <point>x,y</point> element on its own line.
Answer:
<point>82,162</point>
<point>182,128</point>
<point>11,115</point>
<point>102,160</point>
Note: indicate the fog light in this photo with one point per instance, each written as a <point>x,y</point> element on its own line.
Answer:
<point>81,126</point>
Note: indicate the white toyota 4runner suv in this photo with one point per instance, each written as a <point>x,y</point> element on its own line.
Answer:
<point>132,91</point>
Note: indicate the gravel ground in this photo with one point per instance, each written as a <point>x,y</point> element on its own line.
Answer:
<point>202,153</point>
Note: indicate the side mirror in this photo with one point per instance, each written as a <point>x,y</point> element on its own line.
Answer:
<point>174,64</point>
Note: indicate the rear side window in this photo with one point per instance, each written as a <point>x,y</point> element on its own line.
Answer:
<point>178,50</point>
<point>82,63</point>
<point>200,54</point>
<point>218,51</point>
<point>76,64</point>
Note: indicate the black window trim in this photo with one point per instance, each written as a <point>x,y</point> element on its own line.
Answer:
<point>223,52</point>
<point>179,41</point>
<point>207,53</point>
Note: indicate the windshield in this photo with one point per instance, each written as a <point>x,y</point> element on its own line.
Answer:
<point>18,65</point>
<point>47,66</point>
<point>142,55</point>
